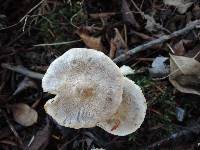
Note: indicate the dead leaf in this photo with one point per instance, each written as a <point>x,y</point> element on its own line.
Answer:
<point>182,46</point>
<point>181,5</point>
<point>159,68</point>
<point>151,24</point>
<point>89,40</point>
<point>41,139</point>
<point>185,74</point>
<point>117,43</point>
<point>24,114</point>
<point>128,15</point>
<point>179,48</point>
<point>101,9</point>
<point>196,11</point>
<point>194,53</point>
<point>25,84</point>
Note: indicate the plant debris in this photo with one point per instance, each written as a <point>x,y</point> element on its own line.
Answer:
<point>24,115</point>
<point>185,74</point>
<point>152,40</point>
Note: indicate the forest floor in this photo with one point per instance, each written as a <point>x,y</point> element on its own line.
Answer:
<point>132,33</point>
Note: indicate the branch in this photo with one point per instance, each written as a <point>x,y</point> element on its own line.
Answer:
<point>122,58</point>
<point>23,70</point>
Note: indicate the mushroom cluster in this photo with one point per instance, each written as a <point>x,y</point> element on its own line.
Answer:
<point>91,91</point>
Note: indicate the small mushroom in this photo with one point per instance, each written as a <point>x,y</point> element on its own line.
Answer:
<point>87,85</point>
<point>131,112</point>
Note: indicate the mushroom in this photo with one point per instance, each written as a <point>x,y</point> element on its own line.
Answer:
<point>131,112</point>
<point>87,85</point>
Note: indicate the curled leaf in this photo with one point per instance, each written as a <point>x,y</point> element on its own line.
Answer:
<point>185,74</point>
<point>24,114</point>
<point>89,40</point>
<point>181,5</point>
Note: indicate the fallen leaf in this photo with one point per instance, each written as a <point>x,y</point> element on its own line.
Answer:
<point>181,5</point>
<point>159,68</point>
<point>101,9</point>
<point>90,41</point>
<point>41,139</point>
<point>117,44</point>
<point>25,84</point>
<point>180,47</point>
<point>194,53</point>
<point>185,74</point>
<point>196,11</point>
<point>127,15</point>
<point>24,114</point>
<point>151,24</point>
<point>126,70</point>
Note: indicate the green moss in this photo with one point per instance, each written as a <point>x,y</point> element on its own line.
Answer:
<point>57,27</point>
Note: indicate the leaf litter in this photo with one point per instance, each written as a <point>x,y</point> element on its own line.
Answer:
<point>185,74</point>
<point>113,28</point>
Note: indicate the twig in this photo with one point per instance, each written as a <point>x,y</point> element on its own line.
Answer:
<point>5,132</point>
<point>121,59</point>
<point>23,70</point>
<point>13,129</point>
<point>124,57</point>
<point>60,43</point>
<point>72,18</point>
<point>24,17</point>
<point>187,133</point>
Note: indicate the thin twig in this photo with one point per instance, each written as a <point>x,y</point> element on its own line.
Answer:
<point>24,17</point>
<point>23,70</point>
<point>59,43</point>
<point>13,129</point>
<point>188,133</point>
<point>124,57</point>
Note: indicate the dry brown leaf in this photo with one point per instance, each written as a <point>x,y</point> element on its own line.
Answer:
<point>90,41</point>
<point>151,24</point>
<point>194,52</point>
<point>117,43</point>
<point>181,5</point>
<point>128,15</point>
<point>185,74</point>
<point>179,48</point>
<point>24,114</point>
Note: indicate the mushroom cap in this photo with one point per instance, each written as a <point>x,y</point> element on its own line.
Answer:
<point>131,112</point>
<point>88,88</point>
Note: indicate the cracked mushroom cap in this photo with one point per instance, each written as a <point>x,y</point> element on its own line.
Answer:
<point>131,112</point>
<point>87,85</point>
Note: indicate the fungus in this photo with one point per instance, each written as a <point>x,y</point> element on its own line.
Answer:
<point>131,112</point>
<point>87,85</point>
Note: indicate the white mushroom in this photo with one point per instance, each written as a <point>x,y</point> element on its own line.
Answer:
<point>131,112</point>
<point>87,85</point>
